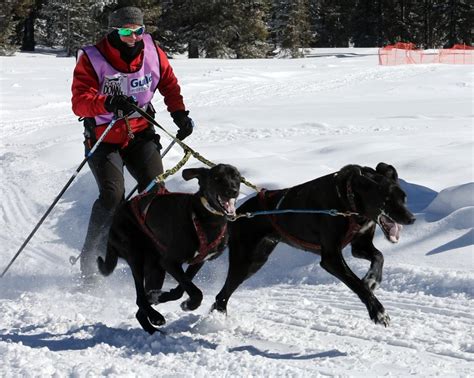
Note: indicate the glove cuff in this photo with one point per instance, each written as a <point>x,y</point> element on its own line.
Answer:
<point>108,104</point>
<point>178,115</point>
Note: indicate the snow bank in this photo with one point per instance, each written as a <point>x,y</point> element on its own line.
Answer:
<point>450,200</point>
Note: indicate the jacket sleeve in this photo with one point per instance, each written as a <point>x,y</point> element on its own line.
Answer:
<point>168,85</point>
<point>86,100</point>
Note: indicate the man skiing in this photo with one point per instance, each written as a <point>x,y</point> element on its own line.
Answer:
<point>126,67</point>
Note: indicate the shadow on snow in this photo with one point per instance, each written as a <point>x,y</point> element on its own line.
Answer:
<point>286,356</point>
<point>463,241</point>
<point>136,341</point>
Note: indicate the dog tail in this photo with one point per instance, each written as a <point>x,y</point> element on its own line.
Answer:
<point>108,265</point>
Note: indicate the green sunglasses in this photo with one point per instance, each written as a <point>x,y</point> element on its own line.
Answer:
<point>127,32</point>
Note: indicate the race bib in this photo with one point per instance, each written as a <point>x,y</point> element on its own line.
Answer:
<point>141,84</point>
<point>115,85</point>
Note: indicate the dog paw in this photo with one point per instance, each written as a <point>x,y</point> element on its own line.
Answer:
<point>382,318</point>
<point>377,312</point>
<point>157,319</point>
<point>218,308</point>
<point>189,305</point>
<point>146,323</point>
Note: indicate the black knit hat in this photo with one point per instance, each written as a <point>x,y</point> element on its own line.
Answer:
<point>126,15</point>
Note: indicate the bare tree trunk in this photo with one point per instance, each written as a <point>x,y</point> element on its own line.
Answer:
<point>193,50</point>
<point>68,30</point>
<point>28,42</point>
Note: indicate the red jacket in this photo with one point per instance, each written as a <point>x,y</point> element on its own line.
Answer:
<point>87,102</point>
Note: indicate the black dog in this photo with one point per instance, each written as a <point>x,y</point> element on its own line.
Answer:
<point>157,233</point>
<point>376,197</point>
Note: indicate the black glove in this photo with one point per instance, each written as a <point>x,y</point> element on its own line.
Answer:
<point>120,105</point>
<point>185,124</point>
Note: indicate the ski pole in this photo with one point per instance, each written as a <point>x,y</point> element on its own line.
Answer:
<point>162,156</point>
<point>89,154</point>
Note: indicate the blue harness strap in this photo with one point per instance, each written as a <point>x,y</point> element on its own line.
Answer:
<point>352,230</point>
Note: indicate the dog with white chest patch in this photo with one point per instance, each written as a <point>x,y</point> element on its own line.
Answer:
<point>159,232</point>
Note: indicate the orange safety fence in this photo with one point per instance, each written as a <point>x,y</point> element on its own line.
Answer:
<point>406,53</point>
<point>458,54</point>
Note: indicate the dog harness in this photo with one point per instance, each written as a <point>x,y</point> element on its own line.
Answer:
<point>141,204</point>
<point>353,229</point>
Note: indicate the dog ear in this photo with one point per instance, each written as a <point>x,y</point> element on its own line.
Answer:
<point>347,172</point>
<point>191,173</point>
<point>387,170</point>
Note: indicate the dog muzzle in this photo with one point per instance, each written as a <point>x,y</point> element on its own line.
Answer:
<point>227,207</point>
<point>390,228</point>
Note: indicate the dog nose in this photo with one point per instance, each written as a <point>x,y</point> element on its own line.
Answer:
<point>412,220</point>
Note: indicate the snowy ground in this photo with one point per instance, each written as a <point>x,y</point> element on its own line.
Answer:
<point>281,122</point>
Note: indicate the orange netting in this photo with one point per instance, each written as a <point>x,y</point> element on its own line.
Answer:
<point>406,53</point>
<point>458,54</point>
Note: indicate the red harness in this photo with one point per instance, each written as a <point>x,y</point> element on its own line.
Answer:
<point>140,205</point>
<point>206,249</point>
<point>353,229</point>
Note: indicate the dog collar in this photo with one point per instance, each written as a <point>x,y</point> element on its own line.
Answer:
<point>349,194</point>
<point>209,208</point>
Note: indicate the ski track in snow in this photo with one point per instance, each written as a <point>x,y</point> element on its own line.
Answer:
<point>303,323</point>
<point>269,328</point>
<point>264,87</point>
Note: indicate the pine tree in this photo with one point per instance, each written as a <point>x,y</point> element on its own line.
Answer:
<point>249,29</point>
<point>27,27</point>
<point>177,19</point>
<point>330,21</point>
<point>214,29</point>
<point>291,26</point>
<point>403,23</point>
<point>70,24</point>
<point>456,22</point>
<point>423,21</point>
<point>12,16</point>
<point>365,23</point>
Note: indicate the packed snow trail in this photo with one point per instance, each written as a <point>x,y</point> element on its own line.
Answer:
<point>281,122</point>
<point>284,329</point>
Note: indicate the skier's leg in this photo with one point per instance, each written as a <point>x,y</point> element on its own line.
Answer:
<point>107,167</point>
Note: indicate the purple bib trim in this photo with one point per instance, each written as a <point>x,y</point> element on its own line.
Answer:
<point>141,84</point>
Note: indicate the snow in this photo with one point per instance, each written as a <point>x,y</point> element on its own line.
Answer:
<point>281,122</point>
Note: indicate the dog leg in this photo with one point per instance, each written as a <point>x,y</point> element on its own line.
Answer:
<point>154,278</point>
<point>242,266</point>
<point>373,277</point>
<point>363,248</point>
<point>333,262</point>
<point>146,315</point>
<point>177,272</point>
<point>177,292</point>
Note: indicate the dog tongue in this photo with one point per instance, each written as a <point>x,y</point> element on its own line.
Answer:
<point>229,206</point>
<point>395,232</point>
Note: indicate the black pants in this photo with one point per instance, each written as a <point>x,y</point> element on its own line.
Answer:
<point>142,159</point>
